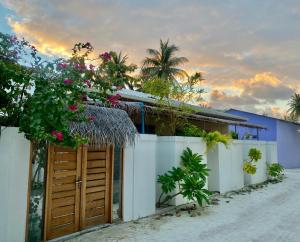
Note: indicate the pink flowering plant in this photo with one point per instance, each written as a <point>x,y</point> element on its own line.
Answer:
<point>62,89</point>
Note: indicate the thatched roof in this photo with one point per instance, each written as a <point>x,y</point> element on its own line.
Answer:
<point>110,126</point>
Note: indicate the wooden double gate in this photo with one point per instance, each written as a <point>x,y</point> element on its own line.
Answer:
<point>79,189</point>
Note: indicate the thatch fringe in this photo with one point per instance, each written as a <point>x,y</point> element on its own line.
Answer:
<point>110,126</point>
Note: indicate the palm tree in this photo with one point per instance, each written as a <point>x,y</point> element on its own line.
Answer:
<point>120,72</point>
<point>294,104</point>
<point>163,63</point>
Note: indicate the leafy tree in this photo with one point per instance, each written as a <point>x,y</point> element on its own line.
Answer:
<point>189,179</point>
<point>163,63</point>
<point>294,104</point>
<point>118,70</point>
<point>16,60</point>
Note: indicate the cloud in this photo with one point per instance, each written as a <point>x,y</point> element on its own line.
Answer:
<point>260,93</point>
<point>248,50</point>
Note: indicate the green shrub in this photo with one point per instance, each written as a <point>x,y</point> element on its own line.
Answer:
<point>190,179</point>
<point>234,135</point>
<point>254,155</point>
<point>275,170</point>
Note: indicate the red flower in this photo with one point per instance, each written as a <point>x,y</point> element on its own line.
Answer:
<point>91,117</point>
<point>79,67</point>
<point>68,81</point>
<point>114,100</point>
<point>88,83</point>
<point>62,65</point>
<point>57,134</point>
<point>73,107</point>
<point>105,56</point>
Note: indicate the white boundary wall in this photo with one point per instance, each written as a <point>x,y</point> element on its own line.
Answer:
<point>226,165</point>
<point>169,150</point>
<point>139,178</point>
<point>14,175</point>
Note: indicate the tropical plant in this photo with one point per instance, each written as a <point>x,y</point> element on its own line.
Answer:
<point>249,165</point>
<point>118,70</point>
<point>294,108</point>
<point>59,90</point>
<point>275,171</point>
<point>163,63</point>
<point>215,137</point>
<point>188,180</point>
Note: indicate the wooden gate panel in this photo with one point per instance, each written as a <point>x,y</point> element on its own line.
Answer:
<point>96,186</point>
<point>63,193</point>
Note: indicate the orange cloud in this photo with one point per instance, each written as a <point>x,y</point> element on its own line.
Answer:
<point>44,43</point>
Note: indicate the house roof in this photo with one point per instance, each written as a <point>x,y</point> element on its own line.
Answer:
<point>261,115</point>
<point>151,99</point>
<point>110,126</point>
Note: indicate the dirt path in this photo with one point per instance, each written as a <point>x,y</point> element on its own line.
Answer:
<point>271,214</point>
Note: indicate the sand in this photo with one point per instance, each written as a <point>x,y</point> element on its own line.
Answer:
<point>270,214</point>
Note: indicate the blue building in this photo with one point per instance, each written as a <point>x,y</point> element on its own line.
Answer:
<point>285,133</point>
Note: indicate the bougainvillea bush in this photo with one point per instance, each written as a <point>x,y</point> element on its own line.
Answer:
<point>60,89</point>
<point>17,57</point>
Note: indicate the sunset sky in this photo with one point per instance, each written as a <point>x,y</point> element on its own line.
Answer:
<point>248,50</point>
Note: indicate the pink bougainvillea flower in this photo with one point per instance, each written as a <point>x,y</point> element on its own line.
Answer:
<point>91,117</point>
<point>105,56</point>
<point>114,99</point>
<point>57,134</point>
<point>73,107</point>
<point>68,81</point>
<point>79,67</point>
<point>91,67</point>
<point>62,65</point>
<point>88,83</point>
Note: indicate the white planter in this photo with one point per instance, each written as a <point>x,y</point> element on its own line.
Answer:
<point>226,167</point>
<point>14,175</point>
<point>261,165</point>
<point>139,178</point>
<point>169,150</point>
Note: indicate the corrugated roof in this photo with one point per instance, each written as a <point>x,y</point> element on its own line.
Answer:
<point>261,115</point>
<point>209,112</point>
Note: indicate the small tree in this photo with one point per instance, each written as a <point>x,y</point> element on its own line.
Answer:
<point>254,156</point>
<point>190,179</point>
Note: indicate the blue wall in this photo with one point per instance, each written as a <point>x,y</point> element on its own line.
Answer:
<point>288,144</point>
<point>269,134</point>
